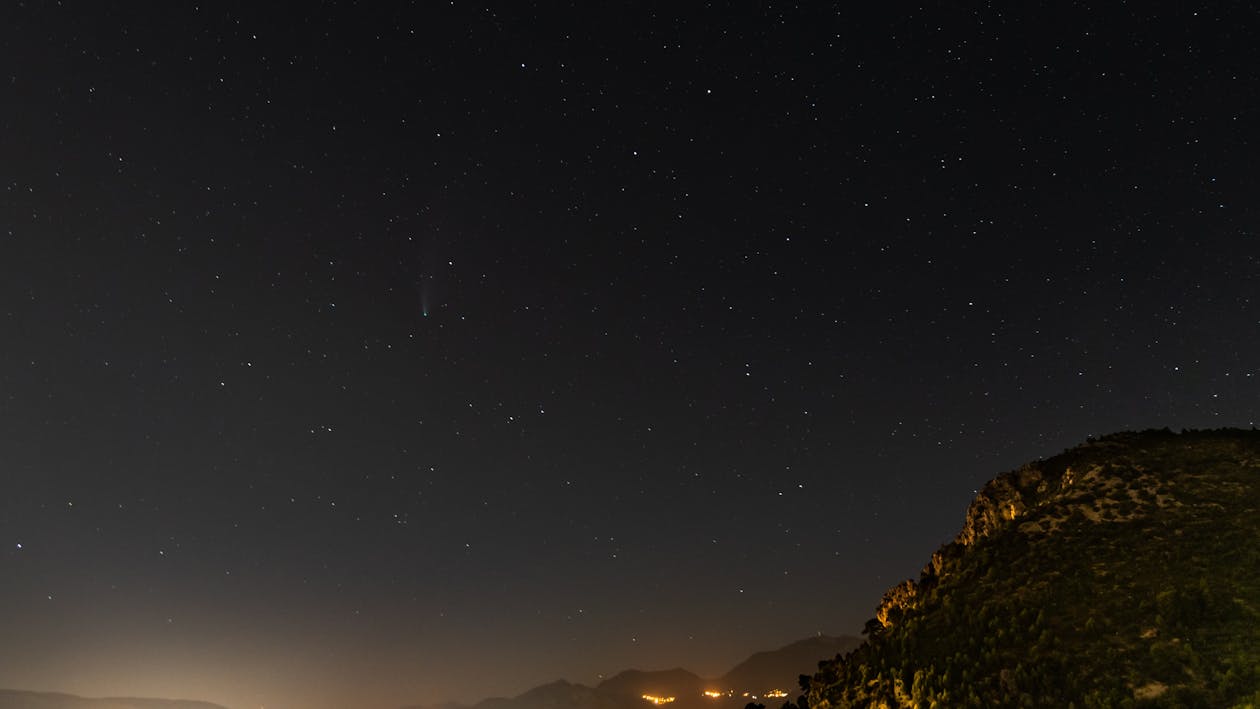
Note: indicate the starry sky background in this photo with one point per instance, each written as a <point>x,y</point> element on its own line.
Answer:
<point>359,354</point>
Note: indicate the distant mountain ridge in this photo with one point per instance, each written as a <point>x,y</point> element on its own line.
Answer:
<point>559,695</point>
<point>18,699</point>
<point>675,682</point>
<point>1124,572</point>
<point>767,669</point>
<point>764,671</point>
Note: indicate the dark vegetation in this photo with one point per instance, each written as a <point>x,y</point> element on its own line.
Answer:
<point>1122,573</point>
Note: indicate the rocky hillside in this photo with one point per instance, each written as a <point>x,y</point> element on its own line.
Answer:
<point>1124,572</point>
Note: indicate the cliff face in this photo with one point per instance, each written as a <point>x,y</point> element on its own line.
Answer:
<point>1138,552</point>
<point>1006,498</point>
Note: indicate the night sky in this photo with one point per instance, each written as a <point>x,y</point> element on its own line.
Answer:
<point>361,354</point>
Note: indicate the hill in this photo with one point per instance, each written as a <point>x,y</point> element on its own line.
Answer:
<point>1121,573</point>
<point>563,695</point>
<point>17,699</point>
<point>762,672</point>
<point>659,682</point>
<point>780,669</point>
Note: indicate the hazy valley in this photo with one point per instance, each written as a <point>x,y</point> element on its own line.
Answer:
<point>1124,572</point>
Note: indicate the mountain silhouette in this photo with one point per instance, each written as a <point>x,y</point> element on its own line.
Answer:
<point>747,681</point>
<point>675,682</point>
<point>17,699</point>
<point>781,669</point>
<point>563,695</point>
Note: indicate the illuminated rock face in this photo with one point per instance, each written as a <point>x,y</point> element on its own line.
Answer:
<point>895,600</point>
<point>1002,499</point>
